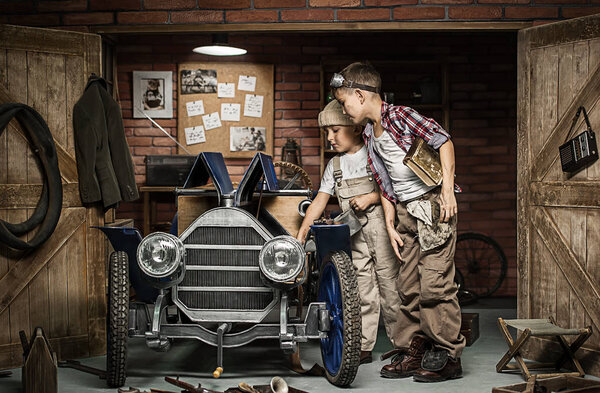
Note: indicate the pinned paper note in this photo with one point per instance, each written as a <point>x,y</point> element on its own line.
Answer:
<point>226,90</point>
<point>194,135</point>
<point>195,108</point>
<point>211,121</point>
<point>253,105</point>
<point>230,112</point>
<point>247,83</point>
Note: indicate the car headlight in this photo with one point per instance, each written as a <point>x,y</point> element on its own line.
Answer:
<point>281,259</point>
<point>160,254</point>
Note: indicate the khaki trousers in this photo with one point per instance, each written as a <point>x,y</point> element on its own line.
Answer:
<point>377,272</point>
<point>427,289</point>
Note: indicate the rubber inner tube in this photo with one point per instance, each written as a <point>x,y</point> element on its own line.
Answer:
<point>47,211</point>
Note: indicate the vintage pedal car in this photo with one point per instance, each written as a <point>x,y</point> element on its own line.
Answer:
<point>233,273</point>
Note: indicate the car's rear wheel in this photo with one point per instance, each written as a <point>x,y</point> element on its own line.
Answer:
<point>338,288</point>
<point>117,319</point>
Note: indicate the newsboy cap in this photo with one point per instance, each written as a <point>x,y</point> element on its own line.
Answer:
<point>332,115</point>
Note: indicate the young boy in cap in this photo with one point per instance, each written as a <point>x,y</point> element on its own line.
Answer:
<point>430,315</point>
<point>349,176</point>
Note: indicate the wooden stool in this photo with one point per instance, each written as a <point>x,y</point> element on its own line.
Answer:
<point>540,328</point>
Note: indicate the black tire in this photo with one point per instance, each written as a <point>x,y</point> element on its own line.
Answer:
<point>482,263</point>
<point>117,319</point>
<point>344,331</point>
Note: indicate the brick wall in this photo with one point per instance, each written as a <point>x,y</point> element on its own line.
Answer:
<point>81,14</point>
<point>482,79</point>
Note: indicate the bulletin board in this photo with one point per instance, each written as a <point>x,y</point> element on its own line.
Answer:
<point>234,139</point>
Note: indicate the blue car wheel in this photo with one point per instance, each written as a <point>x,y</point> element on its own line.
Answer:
<point>338,288</point>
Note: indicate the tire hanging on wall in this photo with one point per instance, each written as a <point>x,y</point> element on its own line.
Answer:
<point>47,211</point>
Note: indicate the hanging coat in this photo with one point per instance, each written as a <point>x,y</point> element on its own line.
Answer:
<point>104,161</point>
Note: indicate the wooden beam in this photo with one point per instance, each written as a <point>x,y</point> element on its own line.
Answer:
<point>33,39</point>
<point>316,27</point>
<point>66,163</point>
<point>523,175</point>
<point>26,196</point>
<point>21,273</point>
<point>565,194</point>
<point>577,29</point>
<point>581,283</point>
<point>587,97</point>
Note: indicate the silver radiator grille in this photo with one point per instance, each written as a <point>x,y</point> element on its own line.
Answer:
<point>221,257</point>
<point>225,235</point>
<point>222,280</point>
<point>227,300</point>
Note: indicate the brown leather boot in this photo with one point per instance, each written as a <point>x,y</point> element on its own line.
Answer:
<point>406,361</point>
<point>365,357</point>
<point>451,370</point>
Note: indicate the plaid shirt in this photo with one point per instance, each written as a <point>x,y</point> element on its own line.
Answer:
<point>403,124</point>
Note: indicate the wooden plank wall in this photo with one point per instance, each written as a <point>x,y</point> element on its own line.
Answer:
<point>64,290</point>
<point>556,71</point>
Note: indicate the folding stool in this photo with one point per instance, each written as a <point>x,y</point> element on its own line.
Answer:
<point>540,328</point>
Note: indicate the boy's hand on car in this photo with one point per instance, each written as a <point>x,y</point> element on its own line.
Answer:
<point>448,207</point>
<point>396,241</point>
<point>301,236</point>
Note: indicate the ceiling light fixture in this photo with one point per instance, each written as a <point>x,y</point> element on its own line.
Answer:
<point>220,47</point>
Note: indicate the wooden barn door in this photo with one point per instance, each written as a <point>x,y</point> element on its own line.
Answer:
<point>61,285</point>
<point>558,215</point>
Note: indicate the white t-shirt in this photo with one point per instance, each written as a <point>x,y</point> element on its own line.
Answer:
<point>405,182</point>
<point>352,166</point>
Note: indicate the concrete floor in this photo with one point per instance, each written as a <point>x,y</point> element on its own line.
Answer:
<point>257,363</point>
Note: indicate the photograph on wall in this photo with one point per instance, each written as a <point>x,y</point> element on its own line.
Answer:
<point>198,81</point>
<point>247,138</point>
<point>153,94</point>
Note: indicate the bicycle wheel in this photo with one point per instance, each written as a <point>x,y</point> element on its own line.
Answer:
<point>482,263</point>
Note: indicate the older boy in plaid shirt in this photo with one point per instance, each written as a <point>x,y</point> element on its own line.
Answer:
<point>424,243</point>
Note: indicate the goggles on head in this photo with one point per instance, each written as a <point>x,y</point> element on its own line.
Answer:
<point>338,81</point>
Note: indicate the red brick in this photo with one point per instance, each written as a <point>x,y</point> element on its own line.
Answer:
<point>475,12</point>
<point>139,141</point>
<point>446,1</point>
<point>304,95</point>
<point>407,13</point>
<point>302,77</point>
<point>374,14</point>
<point>530,12</point>
<point>69,5</point>
<point>251,16</point>
<point>146,151</point>
<point>311,86</point>
<point>169,5</point>
<point>310,122</point>
<point>287,123</point>
<point>91,18</point>
<point>288,68</point>
<point>300,114</point>
<point>223,4</point>
<point>287,86</point>
<point>114,5</point>
<point>287,104</point>
<point>311,105</point>
<point>334,3</point>
<point>306,15</point>
<point>279,3</point>
<point>163,142</point>
<point>16,6</point>
<point>197,17</point>
<point>387,3</point>
<point>575,12</point>
<point>142,18</point>
<point>35,20</point>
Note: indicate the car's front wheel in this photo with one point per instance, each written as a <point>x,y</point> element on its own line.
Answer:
<point>117,319</point>
<point>338,288</point>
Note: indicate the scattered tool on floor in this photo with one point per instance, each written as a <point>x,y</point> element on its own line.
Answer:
<point>244,387</point>
<point>74,364</point>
